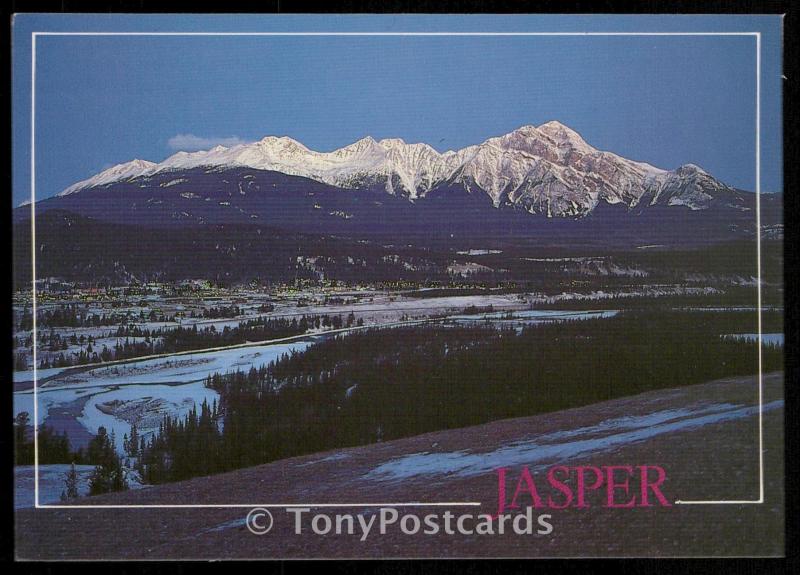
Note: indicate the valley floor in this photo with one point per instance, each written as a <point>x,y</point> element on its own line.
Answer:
<point>705,436</point>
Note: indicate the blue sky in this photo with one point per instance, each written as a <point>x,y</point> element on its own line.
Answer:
<point>667,100</point>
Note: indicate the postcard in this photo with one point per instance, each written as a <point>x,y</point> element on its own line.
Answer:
<point>304,287</point>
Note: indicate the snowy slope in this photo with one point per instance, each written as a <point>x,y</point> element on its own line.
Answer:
<point>117,173</point>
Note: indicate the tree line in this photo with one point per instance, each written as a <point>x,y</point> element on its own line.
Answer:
<point>67,315</point>
<point>141,342</point>
<point>54,448</point>
<point>378,385</point>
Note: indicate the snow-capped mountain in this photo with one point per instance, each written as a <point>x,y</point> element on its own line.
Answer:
<point>547,169</point>
<point>117,173</point>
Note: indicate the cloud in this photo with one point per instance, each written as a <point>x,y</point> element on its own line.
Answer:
<point>192,143</point>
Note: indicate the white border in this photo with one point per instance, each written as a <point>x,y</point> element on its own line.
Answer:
<point>34,35</point>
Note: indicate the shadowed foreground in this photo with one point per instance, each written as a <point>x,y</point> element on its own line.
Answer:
<point>704,436</point>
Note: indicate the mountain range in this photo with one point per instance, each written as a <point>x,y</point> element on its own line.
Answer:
<point>544,184</point>
<point>548,170</point>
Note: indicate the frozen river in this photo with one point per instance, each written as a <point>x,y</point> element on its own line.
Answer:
<point>140,392</point>
<point>78,401</point>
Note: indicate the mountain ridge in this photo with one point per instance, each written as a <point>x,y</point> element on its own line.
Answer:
<point>548,169</point>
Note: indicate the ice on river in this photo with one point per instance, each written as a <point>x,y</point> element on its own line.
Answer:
<point>184,368</point>
<point>146,405</point>
<point>143,391</point>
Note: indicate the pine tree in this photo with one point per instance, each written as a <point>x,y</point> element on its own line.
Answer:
<point>22,449</point>
<point>132,446</point>
<point>108,474</point>
<point>70,484</point>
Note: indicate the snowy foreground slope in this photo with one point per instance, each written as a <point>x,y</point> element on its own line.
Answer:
<point>714,423</point>
<point>547,169</point>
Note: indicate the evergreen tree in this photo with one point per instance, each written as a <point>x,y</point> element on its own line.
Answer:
<point>23,451</point>
<point>108,474</point>
<point>70,484</point>
<point>131,444</point>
